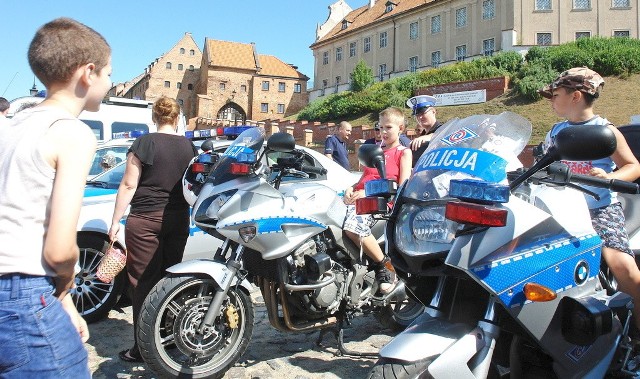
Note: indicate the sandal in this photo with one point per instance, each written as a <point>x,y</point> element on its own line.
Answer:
<point>128,356</point>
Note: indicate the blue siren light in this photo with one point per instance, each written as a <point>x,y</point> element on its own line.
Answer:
<point>380,187</point>
<point>246,158</point>
<point>129,134</point>
<point>235,130</point>
<point>479,191</point>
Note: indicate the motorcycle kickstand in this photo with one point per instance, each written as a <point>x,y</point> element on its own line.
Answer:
<point>338,332</point>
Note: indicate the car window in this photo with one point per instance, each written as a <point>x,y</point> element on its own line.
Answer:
<point>118,152</point>
<point>111,178</point>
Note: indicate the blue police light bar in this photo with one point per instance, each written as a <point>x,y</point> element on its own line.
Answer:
<point>235,130</point>
<point>479,191</point>
<point>380,187</point>
<point>202,133</point>
<point>129,134</point>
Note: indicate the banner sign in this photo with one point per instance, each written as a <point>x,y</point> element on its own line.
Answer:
<point>459,98</point>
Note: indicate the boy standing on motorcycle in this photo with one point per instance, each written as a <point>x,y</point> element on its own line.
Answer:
<point>572,95</point>
<point>398,167</point>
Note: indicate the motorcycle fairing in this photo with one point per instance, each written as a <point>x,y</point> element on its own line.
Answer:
<point>478,163</point>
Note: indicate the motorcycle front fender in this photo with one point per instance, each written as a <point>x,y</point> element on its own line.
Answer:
<point>426,337</point>
<point>216,270</point>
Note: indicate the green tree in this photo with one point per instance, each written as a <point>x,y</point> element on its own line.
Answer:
<point>361,77</point>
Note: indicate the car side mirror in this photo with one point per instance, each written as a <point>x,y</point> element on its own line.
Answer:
<point>281,142</point>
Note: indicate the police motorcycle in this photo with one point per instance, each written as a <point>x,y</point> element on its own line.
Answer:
<point>286,238</point>
<point>508,266</point>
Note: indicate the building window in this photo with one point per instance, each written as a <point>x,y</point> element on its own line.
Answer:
<point>582,4</point>
<point>264,107</point>
<point>413,64</point>
<point>543,5</point>
<point>243,88</point>
<point>435,59</point>
<point>543,39</point>
<point>182,50</point>
<point>352,49</point>
<point>337,84</point>
<point>192,52</point>
<point>389,7</point>
<point>180,67</point>
<point>382,71</point>
<point>488,46</point>
<point>265,85</point>
<point>461,17</point>
<point>297,88</point>
<point>167,84</point>
<point>621,4</point>
<point>383,40</point>
<point>190,86</point>
<point>325,58</point>
<point>338,54</point>
<point>178,85</point>
<point>345,24</point>
<point>621,33</point>
<point>583,35</point>
<point>324,87</point>
<point>488,9</point>
<point>461,52</point>
<point>222,86</point>
<point>413,30</point>
<point>191,68</point>
<point>367,44</point>
<point>168,65</point>
<point>436,24</point>
<point>281,108</point>
<point>281,86</point>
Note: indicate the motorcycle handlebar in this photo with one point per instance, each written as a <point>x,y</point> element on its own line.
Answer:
<point>612,184</point>
<point>313,170</point>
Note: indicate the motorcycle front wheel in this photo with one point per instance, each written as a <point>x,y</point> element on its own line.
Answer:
<point>169,320</point>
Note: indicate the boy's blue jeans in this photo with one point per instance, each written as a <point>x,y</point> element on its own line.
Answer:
<point>37,338</point>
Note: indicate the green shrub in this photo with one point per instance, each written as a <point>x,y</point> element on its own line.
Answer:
<point>532,77</point>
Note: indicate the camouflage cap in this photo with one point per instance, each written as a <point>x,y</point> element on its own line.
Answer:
<point>579,78</point>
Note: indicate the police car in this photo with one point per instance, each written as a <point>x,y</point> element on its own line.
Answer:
<point>93,298</point>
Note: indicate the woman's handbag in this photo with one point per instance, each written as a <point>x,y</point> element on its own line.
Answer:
<point>111,264</point>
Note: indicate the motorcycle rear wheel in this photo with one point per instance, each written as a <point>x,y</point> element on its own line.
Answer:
<point>170,317</point>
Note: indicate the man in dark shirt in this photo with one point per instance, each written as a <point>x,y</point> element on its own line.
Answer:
<point>423,108</point>
<point>377,136</point>
<point>335,147</point>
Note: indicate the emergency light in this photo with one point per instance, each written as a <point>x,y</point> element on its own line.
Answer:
<point>479,191</point>
<point>380,187</point>
<point>475,214</point>
<point>371,205</point>
<point>128,134</point>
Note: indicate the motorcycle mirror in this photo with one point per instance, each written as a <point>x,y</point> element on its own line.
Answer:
<point>371,155</point>
<point>281,142</point>
<point>580,143</point>
<point>207,145</point>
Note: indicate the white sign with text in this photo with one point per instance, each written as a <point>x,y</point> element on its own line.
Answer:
<point>458,98</point>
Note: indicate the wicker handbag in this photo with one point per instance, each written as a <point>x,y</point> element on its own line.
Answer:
<point>111,264</point>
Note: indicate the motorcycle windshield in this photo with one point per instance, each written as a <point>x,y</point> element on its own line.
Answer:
<point>483,147</point>
<point>244,149</point>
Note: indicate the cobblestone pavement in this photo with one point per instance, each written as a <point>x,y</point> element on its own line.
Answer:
<point>271,353</point>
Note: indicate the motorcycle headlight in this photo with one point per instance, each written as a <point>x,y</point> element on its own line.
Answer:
<point>423,229</point>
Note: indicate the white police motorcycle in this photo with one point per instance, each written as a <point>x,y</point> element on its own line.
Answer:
<point>510,272</point>
<point>198,320</point>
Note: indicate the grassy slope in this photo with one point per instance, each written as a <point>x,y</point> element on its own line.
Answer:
<point>619,101</point>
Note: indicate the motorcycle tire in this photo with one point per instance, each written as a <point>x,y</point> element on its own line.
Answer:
<point>93,298</point>
<point>169,317</point>
<point>394,369</point>
<point>399,314</point>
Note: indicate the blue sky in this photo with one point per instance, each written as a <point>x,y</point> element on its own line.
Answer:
<point>141,30</point>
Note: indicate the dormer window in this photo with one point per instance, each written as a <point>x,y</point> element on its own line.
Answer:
<point>345,24</point>
<point>389,6</point>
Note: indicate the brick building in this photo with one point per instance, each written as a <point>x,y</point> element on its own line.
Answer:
<point>175,74</point>
<point>401,36</point>
<point>237,83</point>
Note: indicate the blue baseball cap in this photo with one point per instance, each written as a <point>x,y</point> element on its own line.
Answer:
<point>420,102</point>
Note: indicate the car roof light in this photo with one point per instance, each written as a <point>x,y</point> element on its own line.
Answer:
<point>128,134</point>
<point>240,168</point>
<point>479,191</point>
<point>371,205</point>
<point>475,214</point>
<point>235,130</point>
<point>201,133</point>
<point>380,187</point>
